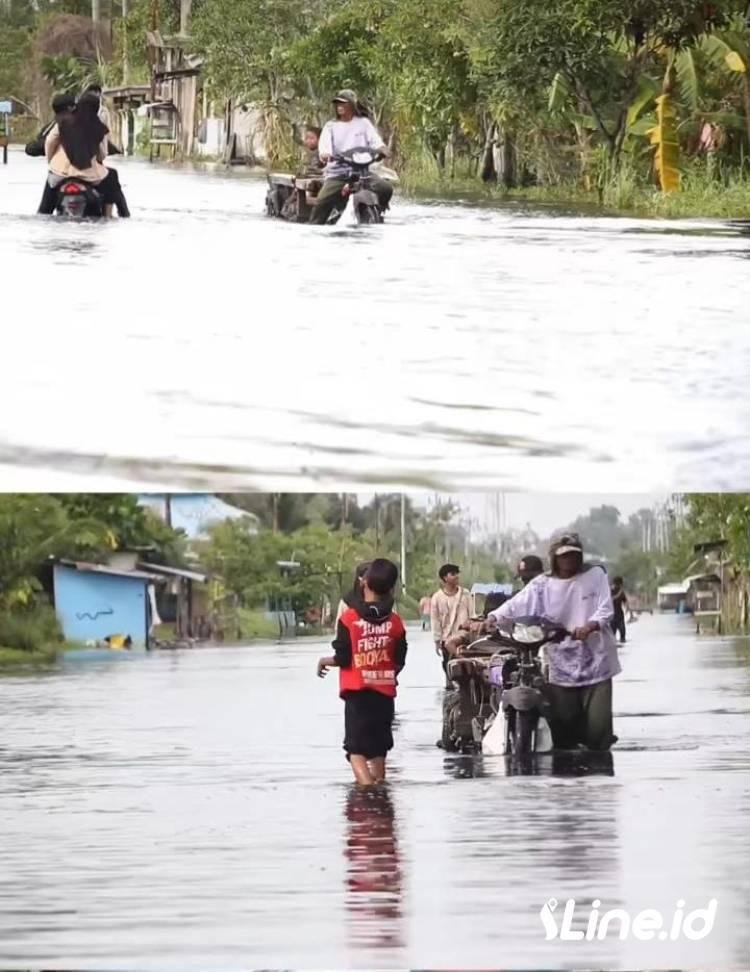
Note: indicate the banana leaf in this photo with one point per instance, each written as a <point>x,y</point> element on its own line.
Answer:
<point>687,78</point>
<point>735,62</point>
<point>663,137</point>
<point>559,93</point>
<point>644,126</point>
<point>648,89</point>
<point>585,121</point>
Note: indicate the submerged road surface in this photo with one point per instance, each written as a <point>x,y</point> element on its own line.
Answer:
<point>194,810</point>
<point>201,344</point>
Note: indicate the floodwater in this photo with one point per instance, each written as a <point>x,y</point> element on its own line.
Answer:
<point>193,810</point>
<point>460,345</point>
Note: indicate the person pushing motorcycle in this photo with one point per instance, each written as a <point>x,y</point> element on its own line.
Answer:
<point>351,129</point>
<point>581,668</point>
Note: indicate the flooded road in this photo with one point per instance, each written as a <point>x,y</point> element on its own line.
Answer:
<point>193,810</point>
<point>202,345</point>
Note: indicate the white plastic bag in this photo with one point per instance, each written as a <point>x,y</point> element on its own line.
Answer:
<point>493,743</point>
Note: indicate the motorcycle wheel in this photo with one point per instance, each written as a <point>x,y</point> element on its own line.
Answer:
<point>368,215</point>
<point>447,736</point>
<point>524,724</point>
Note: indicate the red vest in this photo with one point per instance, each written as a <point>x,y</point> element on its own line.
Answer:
<point>373,654</point>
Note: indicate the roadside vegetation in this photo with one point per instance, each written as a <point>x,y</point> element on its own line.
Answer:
<point>636,106</point>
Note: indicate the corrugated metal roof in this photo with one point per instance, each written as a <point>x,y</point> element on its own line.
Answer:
<point>714,578</point>
<point>674,588</point>
<point>175,572</point>
<point>86,567</point>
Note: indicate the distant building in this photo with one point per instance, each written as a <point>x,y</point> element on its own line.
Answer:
<point>672,597</point>
<point>94,602</point>
<point>194,513</point>
<point>126,599</point>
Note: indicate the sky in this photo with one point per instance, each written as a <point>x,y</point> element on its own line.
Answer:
<point>544,512</point>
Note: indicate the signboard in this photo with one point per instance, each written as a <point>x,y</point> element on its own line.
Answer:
<point>6,108</point>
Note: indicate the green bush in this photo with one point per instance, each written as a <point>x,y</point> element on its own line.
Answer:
<point>408,607</point>
<point>31,631</point>
<point>255,624</point>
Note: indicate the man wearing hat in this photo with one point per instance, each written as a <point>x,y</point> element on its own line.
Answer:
<point>351,129</point>
<point>581,668</point>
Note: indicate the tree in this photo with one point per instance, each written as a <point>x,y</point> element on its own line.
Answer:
<point>598,51</point>
<point>33,529</point>
<point>722,516</point>
<point>601,530</point>
<point>246,47</point>
<point>128,525</point>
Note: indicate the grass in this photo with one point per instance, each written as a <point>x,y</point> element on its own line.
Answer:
<point>30,638</point>
<point>719,195</point>
<point>13,659</point>
<point>255,625</point>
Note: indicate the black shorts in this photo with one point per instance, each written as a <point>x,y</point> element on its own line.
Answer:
<point>368,721</point>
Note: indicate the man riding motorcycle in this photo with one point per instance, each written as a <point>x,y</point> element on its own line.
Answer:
<point>351,129</point>
<point>577,596</point>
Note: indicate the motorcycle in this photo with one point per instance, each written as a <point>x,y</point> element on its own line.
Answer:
<point>358,186</point>
<point>77,200</point>
<point>293,198</point>
<point>499,706</point>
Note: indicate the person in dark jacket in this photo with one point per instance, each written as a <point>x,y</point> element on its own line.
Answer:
<point>370,652</point>
<point>62,105</point>
<point>620,603</point>
<point>76,148</point>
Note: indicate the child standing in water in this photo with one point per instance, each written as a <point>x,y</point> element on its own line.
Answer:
<point>370,652</point>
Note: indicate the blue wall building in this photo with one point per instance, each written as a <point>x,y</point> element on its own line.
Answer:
<point>94,602</point>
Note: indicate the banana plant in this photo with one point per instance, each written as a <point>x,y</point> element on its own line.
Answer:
<point>665,140</point>
<point>729,50</point>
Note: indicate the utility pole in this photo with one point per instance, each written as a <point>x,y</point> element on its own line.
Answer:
<point>168,510</point>
<point>403,543</point>
<point>185,13</point>
<point>125,65</point>
<point>344,509</point>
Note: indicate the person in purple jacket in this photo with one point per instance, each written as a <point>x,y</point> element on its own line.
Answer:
<point>577,596</point>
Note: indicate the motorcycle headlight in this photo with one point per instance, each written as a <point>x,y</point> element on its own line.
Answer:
<point>527,634</point>
<point>361,158</point>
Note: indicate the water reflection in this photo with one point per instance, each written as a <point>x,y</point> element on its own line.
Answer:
<point>467,767</point>
<point>373,869</point>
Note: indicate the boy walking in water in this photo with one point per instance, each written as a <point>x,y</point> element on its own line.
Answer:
<point>369,651</point>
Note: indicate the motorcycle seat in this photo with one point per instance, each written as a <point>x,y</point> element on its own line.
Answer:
<point>465,667</point>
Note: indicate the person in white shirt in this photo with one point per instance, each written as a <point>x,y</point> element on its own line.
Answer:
<point>350,129</point>
<point>450,613</point>
<point>581,668</point>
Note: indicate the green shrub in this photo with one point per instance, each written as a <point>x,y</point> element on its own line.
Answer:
<point>408,607</point>
<point>255,624</point>
<point>33,630</point>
